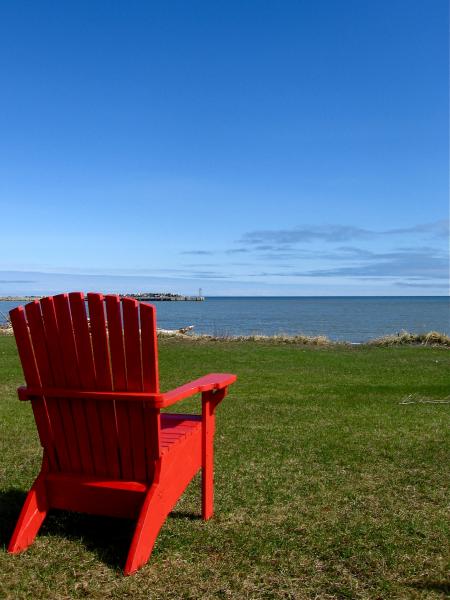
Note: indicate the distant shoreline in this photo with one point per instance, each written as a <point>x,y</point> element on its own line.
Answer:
<point>150,297</point>
<point>19,298</point>
<point>218,297</point>
<point>404,338</point>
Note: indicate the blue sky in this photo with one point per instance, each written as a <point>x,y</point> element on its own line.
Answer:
<point>274,148</point>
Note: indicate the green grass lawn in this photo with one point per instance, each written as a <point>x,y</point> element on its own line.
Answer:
<point>326,485</point>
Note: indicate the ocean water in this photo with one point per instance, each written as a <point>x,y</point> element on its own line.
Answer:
<point>353,319</point>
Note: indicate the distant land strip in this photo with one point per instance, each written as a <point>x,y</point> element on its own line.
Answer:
<point>141,296</point>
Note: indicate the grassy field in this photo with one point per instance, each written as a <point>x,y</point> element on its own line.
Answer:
<point>327,485</point>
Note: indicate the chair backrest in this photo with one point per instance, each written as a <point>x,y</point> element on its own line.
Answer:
<point>114,350</point>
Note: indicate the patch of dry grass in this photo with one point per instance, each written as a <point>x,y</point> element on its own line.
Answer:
<point>432,338</point>
<point>302,340</point>
<point>403,338</point>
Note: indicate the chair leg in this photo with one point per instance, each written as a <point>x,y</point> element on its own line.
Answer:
<point>31,517</point>
<point>208,427</point>
<point>151,518</point>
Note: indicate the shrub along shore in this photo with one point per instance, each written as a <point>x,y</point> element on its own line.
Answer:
<point>432,338</point>
<point>402,338</point>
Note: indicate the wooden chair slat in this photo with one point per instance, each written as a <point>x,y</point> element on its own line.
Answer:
<point>32,377</point>
<point>72,369</point>
<point>116,345</point>
<point>150,380</point>
<point>57,411</point>
<point>149,348</point>
<point>134,384</point>
<point>60,413</point>
<point>115,334</point>
<point>125,440</point>
<point>53,341</point>
<point>87,379</point>
<point>37,333</point>
<point>99,342</point>
<point>59,380</point>
<point>110,438</point>
<point>24,347</point>
<point>86,369</point>
<point>132,344</point>
<point>103,382</point>
<point>67,340</point>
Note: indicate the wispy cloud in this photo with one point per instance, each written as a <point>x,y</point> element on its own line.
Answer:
<point>17,281</point>
<point>199,265</point>
<point>437,228</point>
<point>329,233</point>
<point>264,239</point>
<point>423,284</point>
<point>208,275</point>
<point>198,252</point>
<point>423,263</point>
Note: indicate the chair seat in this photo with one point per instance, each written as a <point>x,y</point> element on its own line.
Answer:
<point>176,427</point>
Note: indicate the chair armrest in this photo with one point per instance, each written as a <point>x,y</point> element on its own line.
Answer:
<point>208,383</point>
<point>213,381</point>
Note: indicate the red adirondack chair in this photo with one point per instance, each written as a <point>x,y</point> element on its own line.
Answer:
<point>108,450</point>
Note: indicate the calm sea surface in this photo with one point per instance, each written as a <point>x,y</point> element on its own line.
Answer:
<point>354,319</point>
